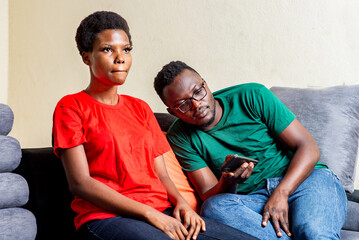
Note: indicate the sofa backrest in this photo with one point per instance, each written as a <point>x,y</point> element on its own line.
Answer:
<point>331,115</point>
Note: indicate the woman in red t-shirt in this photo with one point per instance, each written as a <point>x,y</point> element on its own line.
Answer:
<point>111,147</point>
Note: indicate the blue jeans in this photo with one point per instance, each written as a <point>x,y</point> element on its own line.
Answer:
<point>317,208</point>
<point>133,229</point>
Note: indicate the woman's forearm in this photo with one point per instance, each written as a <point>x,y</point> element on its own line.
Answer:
<point>106,198</point>
<point>84,186</point>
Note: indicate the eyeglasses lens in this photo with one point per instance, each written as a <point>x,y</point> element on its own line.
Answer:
<point>198,96</point>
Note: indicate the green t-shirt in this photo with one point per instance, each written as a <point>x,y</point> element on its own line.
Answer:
<point>252,118</point>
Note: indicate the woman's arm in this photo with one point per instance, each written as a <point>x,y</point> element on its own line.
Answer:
<point>306,156</point>
<point>183,212</point>
<point>83,185</point>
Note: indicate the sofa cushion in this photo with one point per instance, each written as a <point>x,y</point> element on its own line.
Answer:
<point>181,181</point>
<point>352,221</point>
<point>6,119</point>
<point>349,235</point>
<point>331,115</point>
<point>10,153</point>
<point>14,190</point>
<point>17,223</point>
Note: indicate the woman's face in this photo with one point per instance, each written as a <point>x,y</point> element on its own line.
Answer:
<point>110,59</point>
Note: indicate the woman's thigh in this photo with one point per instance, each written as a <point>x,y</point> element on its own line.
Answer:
<point>133,229</point>
<point>120,228</point>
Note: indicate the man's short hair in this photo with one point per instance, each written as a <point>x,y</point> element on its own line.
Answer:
<point>167,74</point>
<point>95,23</point>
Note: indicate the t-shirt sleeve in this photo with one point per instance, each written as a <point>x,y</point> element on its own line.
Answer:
<point>161,145</point>
<point>179,138</point>
<point>270,110</point>
<point>67,127</point>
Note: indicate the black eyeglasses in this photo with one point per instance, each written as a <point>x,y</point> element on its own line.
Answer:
<point>187,104</point>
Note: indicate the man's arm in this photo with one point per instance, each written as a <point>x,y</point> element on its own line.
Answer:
<point>306,156</point>
<point>207,185</point>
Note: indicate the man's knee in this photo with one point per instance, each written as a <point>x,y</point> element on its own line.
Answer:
<point>217,206</point>
<point>313,231</point>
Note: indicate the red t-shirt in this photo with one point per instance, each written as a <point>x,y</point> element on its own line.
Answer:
<point>120,142</point>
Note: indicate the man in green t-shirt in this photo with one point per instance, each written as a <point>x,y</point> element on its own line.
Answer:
<point>288,186</point>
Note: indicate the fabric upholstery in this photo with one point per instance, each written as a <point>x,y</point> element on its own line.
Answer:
<point>17,224</point>
<point>6,119</point>
<point>352,222</point>
<point>181,181</point>
<point>14,191</point>
<point>331,115</point>
<point>10,153</point>
<point>349,235</point>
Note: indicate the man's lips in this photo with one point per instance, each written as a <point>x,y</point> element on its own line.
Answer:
<point>120,71</point>
<point>200,113</point>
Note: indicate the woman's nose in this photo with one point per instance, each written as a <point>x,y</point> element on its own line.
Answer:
<point>119,58</point>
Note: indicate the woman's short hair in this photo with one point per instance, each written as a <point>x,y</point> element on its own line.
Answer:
<point>167,74</point>
<point>95,23</point>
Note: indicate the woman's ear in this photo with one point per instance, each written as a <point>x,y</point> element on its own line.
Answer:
<point>86,58</point>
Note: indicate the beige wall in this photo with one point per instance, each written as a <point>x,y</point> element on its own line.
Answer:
<point>274,42</point>
<point>4,50</point>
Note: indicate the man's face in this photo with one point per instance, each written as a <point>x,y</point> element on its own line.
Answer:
<point>188,85</point>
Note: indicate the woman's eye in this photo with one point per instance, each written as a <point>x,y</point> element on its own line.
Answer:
<point>107,49</point>
<point>127,50</point>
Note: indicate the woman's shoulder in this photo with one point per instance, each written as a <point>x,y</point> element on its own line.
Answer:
<point>133,101</point>
<point>75,102</point>
<point>71,98</point>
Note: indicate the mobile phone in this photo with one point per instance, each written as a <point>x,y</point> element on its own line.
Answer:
<point>236,162</point>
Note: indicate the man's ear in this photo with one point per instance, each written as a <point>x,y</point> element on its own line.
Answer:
<point>86,58</point>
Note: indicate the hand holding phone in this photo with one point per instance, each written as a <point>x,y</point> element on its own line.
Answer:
<point>232,170</point>
<point>235,162</point>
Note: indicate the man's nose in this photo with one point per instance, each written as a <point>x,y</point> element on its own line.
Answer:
<point>195,103</point>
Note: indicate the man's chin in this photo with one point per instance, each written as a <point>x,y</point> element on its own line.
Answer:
<point>207,124</point>
<point>211,120</point>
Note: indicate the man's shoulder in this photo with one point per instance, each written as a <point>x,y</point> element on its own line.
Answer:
<point>177,126</point>
<point>180,130</point>
<point>239,89</point>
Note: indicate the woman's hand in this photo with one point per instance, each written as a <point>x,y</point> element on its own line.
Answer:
<point>241,174</point>
<point>276,209</point>
<point>167,224</point>
<point>190,219</point>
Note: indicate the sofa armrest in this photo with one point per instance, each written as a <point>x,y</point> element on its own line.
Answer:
<point>352,221</point>
<point>50,197</point>
<point>353,196</point>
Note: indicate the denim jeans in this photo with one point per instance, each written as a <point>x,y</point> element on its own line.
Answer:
<point>317,208</point>
<point>133,229</point>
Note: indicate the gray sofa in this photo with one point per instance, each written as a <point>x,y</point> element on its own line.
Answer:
<point>331,115</point>
<point>16,223</point>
